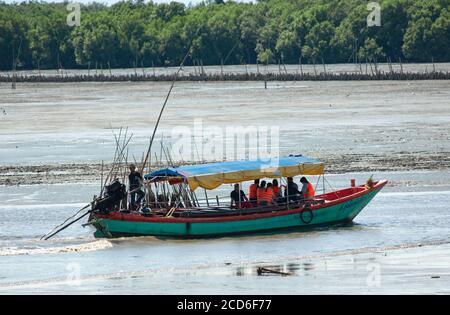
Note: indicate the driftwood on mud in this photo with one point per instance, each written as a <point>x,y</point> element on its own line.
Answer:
<point>264,271</point>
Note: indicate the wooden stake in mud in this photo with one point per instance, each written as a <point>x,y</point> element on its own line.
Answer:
<point>301,66</point>
<point>13,86</point>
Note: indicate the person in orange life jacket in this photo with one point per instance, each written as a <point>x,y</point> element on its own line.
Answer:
<point>253,192</point>
<point>276,190</point>
<point>269,194</point>
<point>238,197</point>
<point>307,191</point>
<point>260,192</point>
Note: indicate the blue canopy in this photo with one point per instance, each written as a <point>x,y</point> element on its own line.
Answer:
<point>212,175</point>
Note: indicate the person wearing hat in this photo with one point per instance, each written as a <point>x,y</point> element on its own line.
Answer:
<point>135,181</point>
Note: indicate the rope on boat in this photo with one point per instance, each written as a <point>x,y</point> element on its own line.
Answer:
<point>332,189</point>
<point>170,212</point>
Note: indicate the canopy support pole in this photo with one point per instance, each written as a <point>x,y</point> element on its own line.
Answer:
<point>239,202</point>
<point>206,196</point>
<point>317,184</point>
<point>287,194</point>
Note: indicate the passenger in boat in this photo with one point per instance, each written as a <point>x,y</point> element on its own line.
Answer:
<point>277,197</point>
<point>276,189</point>
<point>269,194</point>
<point>291,192</point>
<point>260,192</point>
<point>307,192</point>
<point>238,198</point>
<point>253,192</point>
<point>135,179</point>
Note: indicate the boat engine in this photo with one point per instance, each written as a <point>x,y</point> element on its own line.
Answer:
<point>114,193</point>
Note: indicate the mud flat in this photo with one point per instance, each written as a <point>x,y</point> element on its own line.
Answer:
<point>91,172</point>
<point>60,132</point>
<point>54,136</point>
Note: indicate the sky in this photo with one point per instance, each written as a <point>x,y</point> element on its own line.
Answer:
<point>114,1</point>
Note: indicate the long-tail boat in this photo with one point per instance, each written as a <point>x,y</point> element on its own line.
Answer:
<point>172,209</point>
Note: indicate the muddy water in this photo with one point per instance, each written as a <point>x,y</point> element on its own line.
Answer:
<point>58,123</point>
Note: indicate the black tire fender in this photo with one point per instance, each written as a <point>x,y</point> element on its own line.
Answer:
<point>308,218</point>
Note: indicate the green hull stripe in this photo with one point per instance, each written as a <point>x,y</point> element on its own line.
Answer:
<point>343,212</point>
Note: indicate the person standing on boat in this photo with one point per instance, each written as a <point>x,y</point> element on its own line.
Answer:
<point>253,192</point>
<point>135,180</point>
<point>238,197</point>
<point>307,191</point>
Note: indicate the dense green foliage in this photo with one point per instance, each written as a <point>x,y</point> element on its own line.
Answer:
<point>135,33</point>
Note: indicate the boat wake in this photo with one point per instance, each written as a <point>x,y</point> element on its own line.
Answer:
<point>36,250</point>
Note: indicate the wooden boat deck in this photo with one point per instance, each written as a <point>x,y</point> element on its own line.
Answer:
<point>319,201</point>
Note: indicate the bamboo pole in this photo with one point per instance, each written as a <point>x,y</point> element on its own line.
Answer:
<point>164,105</point>
<point>14,78</point>
<point>101,180</point>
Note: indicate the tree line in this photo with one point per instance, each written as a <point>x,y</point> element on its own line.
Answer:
<point>136,33</point>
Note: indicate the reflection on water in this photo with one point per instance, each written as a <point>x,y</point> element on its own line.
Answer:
<point>286,269</point>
